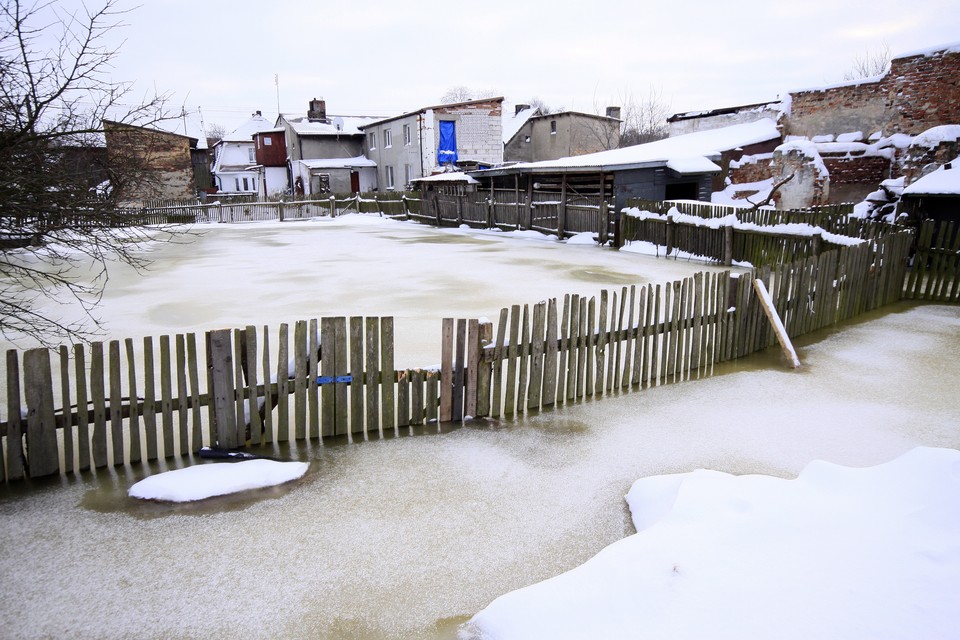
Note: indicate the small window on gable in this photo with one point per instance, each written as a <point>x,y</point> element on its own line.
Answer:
<point>267,141</point>
<point>526,138</point>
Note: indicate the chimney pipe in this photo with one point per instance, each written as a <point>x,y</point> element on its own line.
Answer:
<point>317,111</point>
<point>521,107</point>
<point>613,112</point>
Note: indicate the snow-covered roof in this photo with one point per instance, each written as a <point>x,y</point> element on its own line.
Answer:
<point>244,133</point>
<point>456,176</point>
<point>513,123</point>
<point>337,126</point>
<point>700,147</point>
<point>942,182</point>
<point>929,51</point>
<point>338,163</point>
<point>436,106</point>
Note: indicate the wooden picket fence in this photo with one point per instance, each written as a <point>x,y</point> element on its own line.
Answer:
<point>935,275</point>
<point>116,404</point>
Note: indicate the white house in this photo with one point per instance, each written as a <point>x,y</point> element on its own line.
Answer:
<point>235,167</point>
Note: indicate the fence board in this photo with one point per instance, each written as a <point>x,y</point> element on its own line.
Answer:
<point>223,398</point>
<point>14,449</point>
<point>372,376</point>
<point>194,375</point>
<point>250,365</point>
<point>67,423</point>
<point>535,388</point>
<point>98,393</point>
<point>149,400</point>
<point>116,405</point>
<point>388,375</point>
<point>166,397</point>
<point>43,458</point>
<point>446,371</point>
<point>357,373</point>
<point>524,351</point>
<point>183,395</point>
<point>473,366</point>
<point>283,383</point>
<point>513,350</point>
<point>550,356</point>
<point>499,355</point>
<point>300,360</point>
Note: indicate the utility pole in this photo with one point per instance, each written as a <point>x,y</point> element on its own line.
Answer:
<point>276,82</point>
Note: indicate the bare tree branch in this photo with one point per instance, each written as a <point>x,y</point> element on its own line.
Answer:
<point>61,224</point>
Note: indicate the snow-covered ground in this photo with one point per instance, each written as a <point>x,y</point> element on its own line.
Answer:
<point>411,537</point>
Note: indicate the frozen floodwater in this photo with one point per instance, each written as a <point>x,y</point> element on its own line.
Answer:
<point>407,538</point>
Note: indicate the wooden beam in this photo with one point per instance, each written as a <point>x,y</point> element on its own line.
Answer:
<point>767,303</point>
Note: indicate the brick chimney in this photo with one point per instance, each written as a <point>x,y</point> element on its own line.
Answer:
<point>317,111</point>
<point>613,112</point>
<point>521,107</point>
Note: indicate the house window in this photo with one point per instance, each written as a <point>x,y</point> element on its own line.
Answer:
<point>246,185</point>
<point>406,174</point>
<point>553,127</point>
<point>387,138</point>
<point>267,141</point>
<point>252,154</point>
<point>373,140</point>
<point>407,138</point>
<point>389,177</point>
<point>237,180</point>
<point>526,139</point>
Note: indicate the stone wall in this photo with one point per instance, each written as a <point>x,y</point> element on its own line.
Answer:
<point>154,164</point>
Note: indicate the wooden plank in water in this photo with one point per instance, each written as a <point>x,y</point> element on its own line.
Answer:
<point>573,348</point>
<point>550,356</point>
<point>629,340</point>
<point>696,344</point>
<point>43,457</point>
<point>166,397</point>
<point>459,366</point>
<point>269,396</point>
<point>222,391</point>
<point>432,394</point>
<point>388,375</point>
<point>357,389</point>
<point>499,355</point>
<point>328,392</point>
<point>372,377</point>
<point>472,372</point>
<point>535,389</point>
<point>98,394</point>
<point>14,450</point>
<point>341,371</point>
<point>446,370</point>
<point>196,416</point>
<point>524,353</point>
<point>149,400</point>
<point>116,405</point>
<point>416,396</point>
<point>83,421</point>
<point>601,341</point>
<point>513,350</point>
<point>638,373</point>
<point>300,361</point>
<point>591,345</point>
<point>616,341</point>
<point>583,349</point>
<point>283,383</point>
<point>133,431</point>
<point>183,395</point>
<point>656,337</point>
<point>313,369</point>
<point>65,412</point>
<point>563,350</point>
<point>403,399</point>
<point>767,304</point>
<point>251,364</point>
<point>484,370</point>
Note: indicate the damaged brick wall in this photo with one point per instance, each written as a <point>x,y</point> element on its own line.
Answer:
<point>154,164</point>
<point>919,92</point>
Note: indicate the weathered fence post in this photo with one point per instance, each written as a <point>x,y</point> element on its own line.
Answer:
<point>728,245</point>
<point>562,208</point>
<point>220,364</point>
<point>43,459</point>
<point>816,244</point>
<point>670,232</point>
<point>605,224</point>
<point>280,210</point>
<point>14,449</point>
<point>406,207</point>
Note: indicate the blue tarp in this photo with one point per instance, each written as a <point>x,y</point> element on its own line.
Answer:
<point>447,150</point>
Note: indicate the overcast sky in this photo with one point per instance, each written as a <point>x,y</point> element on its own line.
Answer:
<point>381,57</point>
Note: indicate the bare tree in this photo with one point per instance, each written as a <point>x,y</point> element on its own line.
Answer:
<point>215,133</point>
<point>461,93</point>
<point>59,219</point>
<point>544,108</point>
<point>869,64</point>
<point>644,120</point>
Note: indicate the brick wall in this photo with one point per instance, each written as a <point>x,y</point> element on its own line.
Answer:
<point>919,92</point>
<point>857,169</point>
